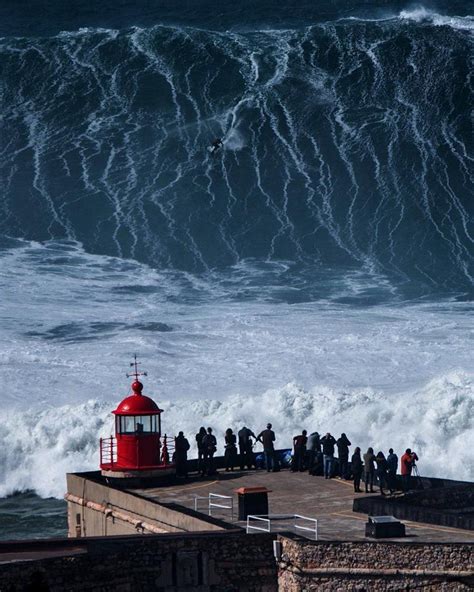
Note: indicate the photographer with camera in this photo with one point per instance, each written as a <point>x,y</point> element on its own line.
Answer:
<point>407,463</point>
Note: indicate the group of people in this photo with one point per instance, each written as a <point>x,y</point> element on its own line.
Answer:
<point>316,454</point>
<point>242,456</point>
<point>384,469</point>
<point>310,452</point>
<point>245,439</point>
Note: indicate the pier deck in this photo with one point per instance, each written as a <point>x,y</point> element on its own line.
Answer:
<point>330,501</point>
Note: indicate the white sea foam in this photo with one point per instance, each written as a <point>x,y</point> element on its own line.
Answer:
<point>234,140</point>
<point>435,420</point>
<point>421,14</point>
<point>219,351</point>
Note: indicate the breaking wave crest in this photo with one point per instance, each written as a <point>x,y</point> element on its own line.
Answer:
<point>421,14</point>
<point>436,421</point>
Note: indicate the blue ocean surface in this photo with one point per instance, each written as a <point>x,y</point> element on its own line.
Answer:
<point>315,272</point>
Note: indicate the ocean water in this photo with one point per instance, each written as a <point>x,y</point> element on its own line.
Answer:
<point>316,273</point>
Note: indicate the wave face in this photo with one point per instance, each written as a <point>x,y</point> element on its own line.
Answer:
<point>348,144</point>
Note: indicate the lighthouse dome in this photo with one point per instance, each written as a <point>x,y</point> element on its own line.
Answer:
<point>137,404</point>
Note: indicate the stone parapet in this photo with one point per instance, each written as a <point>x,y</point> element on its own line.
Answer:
<point>204,562</point>
<point>351,566</point>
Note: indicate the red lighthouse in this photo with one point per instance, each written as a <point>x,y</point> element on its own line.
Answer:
<point>137,450</point>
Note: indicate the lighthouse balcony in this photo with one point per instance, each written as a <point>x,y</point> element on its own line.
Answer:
<point>135,459</point>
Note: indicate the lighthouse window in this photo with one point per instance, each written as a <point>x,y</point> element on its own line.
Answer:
<point>144,423</point>
<point>133,424</point>
<point>128,424</point>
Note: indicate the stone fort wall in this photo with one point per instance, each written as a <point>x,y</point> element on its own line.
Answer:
<point>374,566</point>
<point>232,561</point>
<point>202,562</point>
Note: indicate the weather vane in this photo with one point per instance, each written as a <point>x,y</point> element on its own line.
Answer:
<point>135,365</point>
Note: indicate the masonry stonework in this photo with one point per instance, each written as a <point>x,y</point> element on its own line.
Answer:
<point>204,562</point>
<point>365,566</point>
<point>232,561</point>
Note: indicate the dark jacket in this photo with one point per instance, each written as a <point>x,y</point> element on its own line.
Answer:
<point>343,444</point>
<point>356,464</point>
<point>199,439</point>
<point>299,442</point>
<point>245,435</point>
<point>230,442</point>
<point>328,443</point>
<point>267,437</point>
<point>181,444</point>
<point>382,465</point>
<point>209,443</point>
<point>392,462</point>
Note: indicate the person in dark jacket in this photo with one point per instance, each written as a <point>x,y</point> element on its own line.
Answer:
<point>343,444</point>
<point>369,470</point>
<point>230,454</point>
<point>181,447</point>
<point>199,436</point>
<point>246,447</point>
<point>210,446</point>
<point>392,462</point>
<point>381,471</point>
<point>356,467</point>
<point>299,447</point>
<point>267,437</point>
<point>328,443</point>
<point>313,446</point>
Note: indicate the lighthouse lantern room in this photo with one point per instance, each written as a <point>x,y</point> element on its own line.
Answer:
<point>137,449</point>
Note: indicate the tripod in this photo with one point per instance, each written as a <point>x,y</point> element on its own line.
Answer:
<point>416,475</point>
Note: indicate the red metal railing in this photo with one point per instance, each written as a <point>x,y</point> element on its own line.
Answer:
<point>167,451</point>
<point>108,451</point>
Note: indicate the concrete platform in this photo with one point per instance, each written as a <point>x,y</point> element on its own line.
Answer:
<point>330,501</point>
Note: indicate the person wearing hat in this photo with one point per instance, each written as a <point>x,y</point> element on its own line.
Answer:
<point>267,437</point>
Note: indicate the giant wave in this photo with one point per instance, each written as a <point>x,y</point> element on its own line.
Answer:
<point>347,143</point>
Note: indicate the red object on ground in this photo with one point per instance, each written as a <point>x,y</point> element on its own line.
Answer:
<point>244,490</point>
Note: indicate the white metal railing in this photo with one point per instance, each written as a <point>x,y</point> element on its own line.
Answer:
<point>313,530</point>
<point>268,524</point>
<point>263,522</point>
<point>197,499</point>
<point>216,504</point>
<point>214,500</point>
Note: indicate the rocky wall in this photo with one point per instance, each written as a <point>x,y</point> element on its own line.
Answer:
<point>229,562</point>
<point>367,566</point>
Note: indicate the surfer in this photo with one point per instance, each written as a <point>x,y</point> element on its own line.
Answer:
<point>216,145</point>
